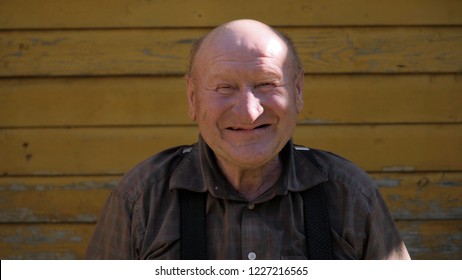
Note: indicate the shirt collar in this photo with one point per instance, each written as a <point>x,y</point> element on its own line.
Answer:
<point>198,171</point>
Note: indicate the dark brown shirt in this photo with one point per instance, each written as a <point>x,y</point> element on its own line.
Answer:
<point>141,217</point>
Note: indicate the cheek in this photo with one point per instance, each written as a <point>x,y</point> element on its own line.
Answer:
<point>209,109</point>
<point>281,104</point>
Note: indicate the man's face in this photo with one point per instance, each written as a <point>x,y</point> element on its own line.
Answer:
<point>245,98</point>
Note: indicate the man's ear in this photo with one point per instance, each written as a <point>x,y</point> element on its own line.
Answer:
<point>191,95</point>
<point>299,91</point>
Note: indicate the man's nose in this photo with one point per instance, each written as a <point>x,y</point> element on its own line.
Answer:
<point>248,106</point>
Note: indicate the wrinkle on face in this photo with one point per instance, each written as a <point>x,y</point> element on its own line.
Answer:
<point>245,124</point>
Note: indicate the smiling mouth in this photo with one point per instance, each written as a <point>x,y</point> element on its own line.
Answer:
<point>248,129</point>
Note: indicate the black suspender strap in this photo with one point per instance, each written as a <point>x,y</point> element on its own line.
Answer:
<point>193,234</point>
<point>317,228</point>
<point>316,219</point>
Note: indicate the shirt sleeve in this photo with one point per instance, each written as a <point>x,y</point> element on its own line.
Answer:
<point>112,236</point>
<point>384,240</point>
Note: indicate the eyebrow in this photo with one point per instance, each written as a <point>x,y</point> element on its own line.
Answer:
<point>261,75</point>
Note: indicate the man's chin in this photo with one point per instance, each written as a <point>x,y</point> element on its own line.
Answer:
<point>251,155</point>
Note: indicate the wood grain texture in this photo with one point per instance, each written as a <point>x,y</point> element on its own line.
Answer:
<point>432,240</point>
<point>88,91</point>
<point>115,150</point>
<point>166,51</point>
<point>80,199</point>
<point>44,241</point>
<point>51,14</point>
<point>329,99</point>
<point>390,148</point>
<point>424,239</point>
<point>422,195</point>
<point>53,199</point>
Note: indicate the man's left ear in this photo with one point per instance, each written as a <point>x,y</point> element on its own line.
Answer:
<point>299,91</point>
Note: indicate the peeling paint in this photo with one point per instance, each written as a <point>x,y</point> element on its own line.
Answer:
<point>315,121</point>
<point>34,236</point>
<point>86,218</point>
<point>47,42</point>
<point>26,215</point>
<point>18,187</point>
<point>42,188</point>
<point>16,54</point>
<point>148,52</point>
<point>449,184</point>
<point>68,255</point>
<point>18,214</point>
<point>398,168</point>
<point>187,41</point>
<point>76,239</point>
<point>91,186</point>
<point>404,214</point>
<point>387,183</point>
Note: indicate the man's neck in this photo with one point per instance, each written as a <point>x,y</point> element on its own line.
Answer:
<point>251,183</point>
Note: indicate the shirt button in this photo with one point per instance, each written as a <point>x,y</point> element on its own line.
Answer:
<point>252,256</point>
<point>251,206</point>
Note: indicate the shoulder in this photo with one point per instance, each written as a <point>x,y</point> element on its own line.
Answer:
<point>151,172</point>
<point>344,172</point>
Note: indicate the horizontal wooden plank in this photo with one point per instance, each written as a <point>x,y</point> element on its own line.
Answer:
<point>44,241</point>
<point>147,52</point>
<point>108,52</point>
<point>422,195</point>
<point>93,101</point>
<point>114,150</point>
<point>382,99</point>
<point>80,199</point>
<point>53,199</point>
<point>390,147</point>
<point>162,100</point>
<point>131,13</point>
<point>432,240</point>
<point>424,239</point>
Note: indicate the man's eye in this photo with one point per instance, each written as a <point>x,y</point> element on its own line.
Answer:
<point>225,89</point>
<point>265,86</point>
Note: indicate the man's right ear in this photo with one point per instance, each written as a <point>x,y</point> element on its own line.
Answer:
<point>191,95</point>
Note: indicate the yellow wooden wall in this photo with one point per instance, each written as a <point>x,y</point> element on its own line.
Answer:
<point>89,88</point>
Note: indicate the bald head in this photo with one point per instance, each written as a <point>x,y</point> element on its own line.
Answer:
<point>248,37</point>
